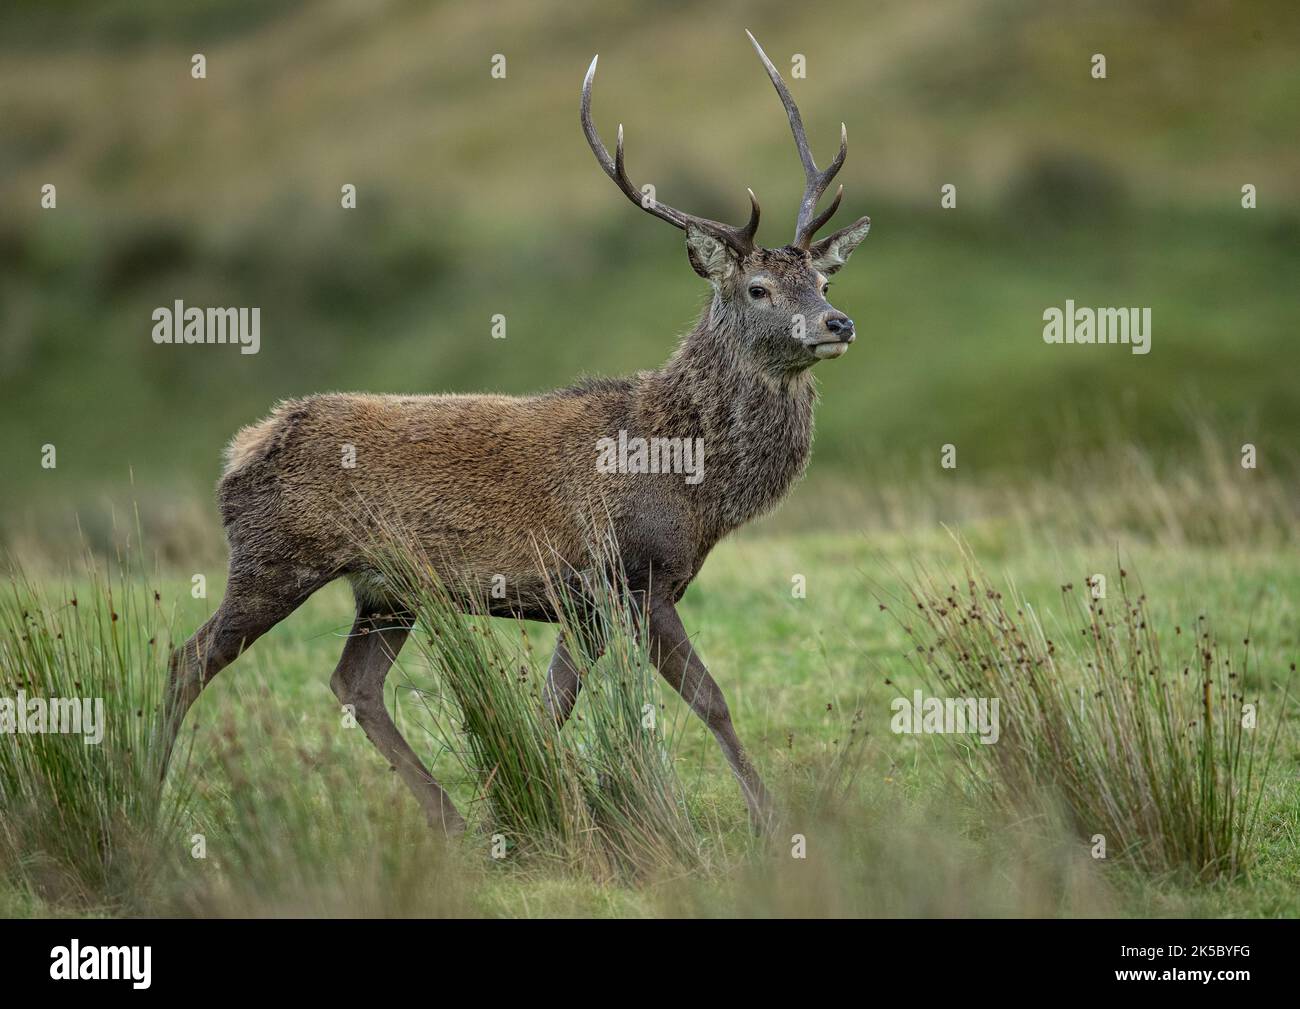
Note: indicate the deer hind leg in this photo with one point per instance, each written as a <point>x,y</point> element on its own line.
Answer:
<point>358,683</point>
<point>675,658</point>
<point>253,604</point>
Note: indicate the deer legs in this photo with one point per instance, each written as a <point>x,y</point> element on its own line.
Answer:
<point>675,658</point>
<point>372,647</point>
<point>358,682</point>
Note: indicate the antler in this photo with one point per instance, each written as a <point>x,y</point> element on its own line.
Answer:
<point>740,239</point>
<point>815,181</point>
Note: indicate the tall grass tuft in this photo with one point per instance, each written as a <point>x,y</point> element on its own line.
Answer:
<point>82,821</point>
<point>1150,743</point>
<point>507,742</point>
<point>601,794</point>
<point>628,755</point>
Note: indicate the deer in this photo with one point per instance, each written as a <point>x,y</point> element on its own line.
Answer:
<point>481,479</point>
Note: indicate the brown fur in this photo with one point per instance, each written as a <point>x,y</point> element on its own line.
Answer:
<point>485,479</point>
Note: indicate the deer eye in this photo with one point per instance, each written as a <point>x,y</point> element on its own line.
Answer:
<point>757,292</point>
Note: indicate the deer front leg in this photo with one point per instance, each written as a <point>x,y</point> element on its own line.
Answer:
<point>673,656</point>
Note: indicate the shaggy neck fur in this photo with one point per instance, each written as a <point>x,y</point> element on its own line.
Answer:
<point>757,424</point>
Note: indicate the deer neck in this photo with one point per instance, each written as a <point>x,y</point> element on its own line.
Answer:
<point>756,426</point>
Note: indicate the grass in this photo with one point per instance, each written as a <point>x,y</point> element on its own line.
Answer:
<point>602,798</point>
<point>298,814</point>
<point>1153,749</point>
<point>85,811</point>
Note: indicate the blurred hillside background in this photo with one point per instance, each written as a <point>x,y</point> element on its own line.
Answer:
<point>478,196</point>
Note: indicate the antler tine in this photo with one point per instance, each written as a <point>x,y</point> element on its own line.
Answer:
<point>815,180</point>
<point>741,239</point>
<point>816,224</point>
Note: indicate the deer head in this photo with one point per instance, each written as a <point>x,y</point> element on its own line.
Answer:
<point>772,301</point>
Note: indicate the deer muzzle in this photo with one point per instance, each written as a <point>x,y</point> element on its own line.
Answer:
<point>841,334</point>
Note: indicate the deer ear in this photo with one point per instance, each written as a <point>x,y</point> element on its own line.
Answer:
<point>833,251</point>
<point>712,258</point>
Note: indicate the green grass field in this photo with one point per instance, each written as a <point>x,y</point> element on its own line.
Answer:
<point>300,815</point>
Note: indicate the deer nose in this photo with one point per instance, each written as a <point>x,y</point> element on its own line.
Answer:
<point>841,325</point>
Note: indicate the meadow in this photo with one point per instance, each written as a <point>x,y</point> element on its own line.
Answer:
<point>298,815</point>
<point>478,197</point>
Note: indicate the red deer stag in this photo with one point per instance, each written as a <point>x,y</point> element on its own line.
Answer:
<point>484,479</point>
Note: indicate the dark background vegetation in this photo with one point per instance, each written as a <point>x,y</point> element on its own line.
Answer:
<point>479,196</point>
